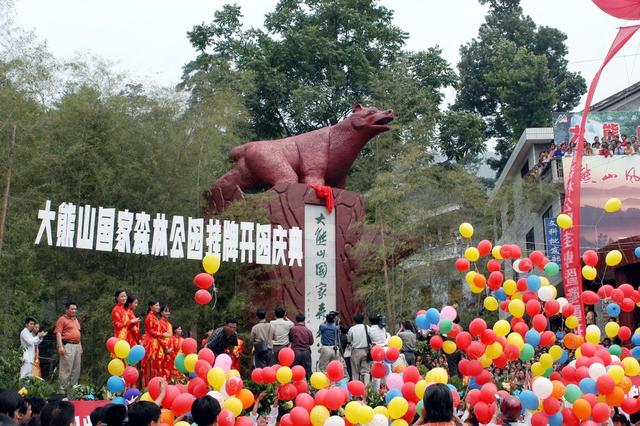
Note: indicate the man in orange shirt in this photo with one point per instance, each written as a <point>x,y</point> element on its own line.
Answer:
<point>69,346</point>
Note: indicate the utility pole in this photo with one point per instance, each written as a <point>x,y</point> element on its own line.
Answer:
<point>7,185</point>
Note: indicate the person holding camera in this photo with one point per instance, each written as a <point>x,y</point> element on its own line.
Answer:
<point>282,326</point>
<point>29,344</point>
<point>329,340</point>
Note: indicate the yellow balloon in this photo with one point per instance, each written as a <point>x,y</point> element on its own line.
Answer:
<point>216,377</point>
<point>381,409</point>
<point>121,349</point>
<point>578,353</point>
<point>571,322</point>
<point>494,350</point>
<point>319,380</point>
<point>146,397</point>
<point>537,369</point>
<point>395,342</point>
<point>495,252</point>
<point>546,360</point>
<point>232,373</point>
<point>318,415</point>
<point>475,290</point>
<point>399,422</point>
<point>437,375</point>
<point>421,386</point>
<point>502,327</point>
<point>284,375</point>
<point>397,407</point>
<point>466,230</point>
<point>234,405</point>
<point>365,414</point>
<point>351,411</point>
<point>181,423</point>
<point>516,339</point>
<point>490,303</point>
<point>509,287</point>
<point>544,281</point>
<point>589,272</point>
<point>592,337</point>
<point>616,373</point>
<point>116,367</point>
<point>485,361</point>
<point>516,308</point>
<point>472,254</point>
<point>449,347</point>
<point>631,366</point>
<point>517,296</point>
<point>564,221</point>
<point>556,352</point>
<point>211,263</point>
<point>613,258</point>
<point>612,205</point>
<point>611,329</point>
<point>190,362</point>
<point>469,277</point>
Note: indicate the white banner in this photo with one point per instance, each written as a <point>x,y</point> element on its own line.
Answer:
<point>175,236</point>
<point>319,269</point>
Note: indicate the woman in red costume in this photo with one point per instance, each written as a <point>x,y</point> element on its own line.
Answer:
<point>153,362</point>
<point>176,345</point>
<point>120,317</point>
<point>235,355</point>
<point>165,341</point>
<point>133,331</point>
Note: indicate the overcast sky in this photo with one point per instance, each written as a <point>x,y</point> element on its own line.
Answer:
<point>147,38</point>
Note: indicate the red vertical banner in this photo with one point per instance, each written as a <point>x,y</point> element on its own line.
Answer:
<point>571,264</point>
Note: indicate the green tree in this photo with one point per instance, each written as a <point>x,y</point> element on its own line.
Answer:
<point>514,74</point>
<point>461,136</point>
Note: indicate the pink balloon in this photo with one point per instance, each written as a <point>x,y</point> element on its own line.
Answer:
<point>448,313</point>
<point>394,381</point>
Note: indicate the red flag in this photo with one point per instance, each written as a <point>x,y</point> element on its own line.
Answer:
<point>571,266</point>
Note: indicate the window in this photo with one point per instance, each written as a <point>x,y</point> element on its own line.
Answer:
<point>546,214</point>
<point>530,241</point>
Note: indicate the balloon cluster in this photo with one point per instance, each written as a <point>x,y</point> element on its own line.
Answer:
<point>205,281</point>
<point>122,367</point>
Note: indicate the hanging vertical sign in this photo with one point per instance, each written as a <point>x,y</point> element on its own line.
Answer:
<point>552,237</point>
<point>319,267</point>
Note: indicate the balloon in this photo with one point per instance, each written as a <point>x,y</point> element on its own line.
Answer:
<point>226,418</point>
<point>529,399</point>
<point>190,362</point>
<point>111,342</point>
<point>462,265</point>
<point>552,268</point>
<point>490,303</point>
<point>216,377</point>
<point>501,327</point>
<point>181,405</point>
<point>516,308</point>
<point>397,407</point>
<point>335,371</point>
<point>136,354</point>
<point>611,328</point>
<point>334,421</point>
<point>203,280</point>
<point>590,257</point>
<point>612,205</point>
<point>115,367</point>
<point>395,342</point>
<point>613,258</point>
<point>589,272</point>
<point>286,356</point>
<point>319,415</point>
<point>202,297</point>
<point>542,387</point>
<point>130,375</point>
<point>242,421</point>
<point>581,409</point>
<point>466,230</point>
<point>115,384</point>
<point>121,349</point>
<point>305,401</point>
<point>300,416</point>
<point>319,380</point>
<point>471,254</point>
<point>211,263</point>
<point>234,405</point>
<point>284,374</point>
<point>437,375</point>
<point>564,221</point>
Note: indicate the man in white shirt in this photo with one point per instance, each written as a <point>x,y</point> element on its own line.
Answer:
<point>281,326</point>
<point>358,337</point>
<point>28,342</point>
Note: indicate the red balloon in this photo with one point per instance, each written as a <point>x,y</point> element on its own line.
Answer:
<point>130,375</point>
<point>334,399</point>
<point>477,326</point>
<point>202,297</point>
<point>463,340</point>
<point>378,370</point>
<point>320,396</point>
<point>411,412</point>
<point>226,418</point>
<point>624,333</point>
<point>488,393</point>
<point>587,349</point>
<point>600,412</point>
<point>551,308</point>
<point>515,251</point>
<point>154,387</point>
<point>408,390</point>
<point>547,338</point>
<point>300,416</point>
<point>617,295</point>
<point>335,371</point>
<point>521,284</point>
<point>493,265</point>
<point>475,350</point>
<point>243,421</point>
<point>627,305</point>
<point>539,419</point>
<point>495,280</point>
<point>392,354</point>
<point>256,375</point>
<point>605,384</point>
<point>111,342</point>
<point>590,257</point>
<point>286,420</point>
<point>206,354</point>
<point>286,356</point>
<point>501,361</point>
<point>629,405</point>
<point>298,373</point>
<point>462,264</point>
<point>463,367</point>
<point>287,392</point>
<point>268,375</point>
<point>628,10</point>
<point>484,377</point>
<point>171,394</point>
<point>181,404</point>
<point>512,352</point>
<point>605,291</point>
<point>301,386</point>
<point>473,397</point>
<point>203,280</point>
<point>488,337</point>
<point>521,328</point>
<point>198,387</point>
<point>627,289</point>
<point>536,257</point>
<point>455,330</point>
<point>525,265</point>
<point>356,388</point>
<point>435,343</point>
<point>505,252</point>
<point>377,353</point>
<point>481,410</point>
<point>484,247</point>
<point>539,322</point>
<point>233,385</point>
<point>533,307</point>
<point>551,406</point>
<point>567,310</point>
<point>589,297</point>
<point>411,374</point>
<point>569,373</point>
<point>202,368</point>
<point>568,418</point>
<point>189,346</point>
<point>304,400</point>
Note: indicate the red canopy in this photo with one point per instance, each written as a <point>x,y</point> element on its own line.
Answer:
<point>623,9</point>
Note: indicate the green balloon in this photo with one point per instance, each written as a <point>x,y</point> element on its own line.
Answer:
<point>445,326</point>
<point>552,268</point>
<point>179,364</point>
<point>527,352</point>
<point>572,392</point>
<point>419,408</point>
<point>548,372</point>
<point>615,350</point>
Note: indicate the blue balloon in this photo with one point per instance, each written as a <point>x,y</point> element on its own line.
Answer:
<point>343,383</point>
<point>533,283</point>
<point>529,400</point>
<point>556,419</point>
<point>392,394</point>
<point>532,337</point>
<point>500,295</point>
<point>118,400</point>
<point>637,251</point>
<point>131,394</point>
<point>635,339</point>
<point>613,309</point>
<point>588,385</point>
<point>136,354</point>
<point>422,322</point>
<point>636,352</point>
<point>115,384</point>
<point>559,335</point>
<point>473,384</point>
<point>433,316</point>
<point>563,358</point>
